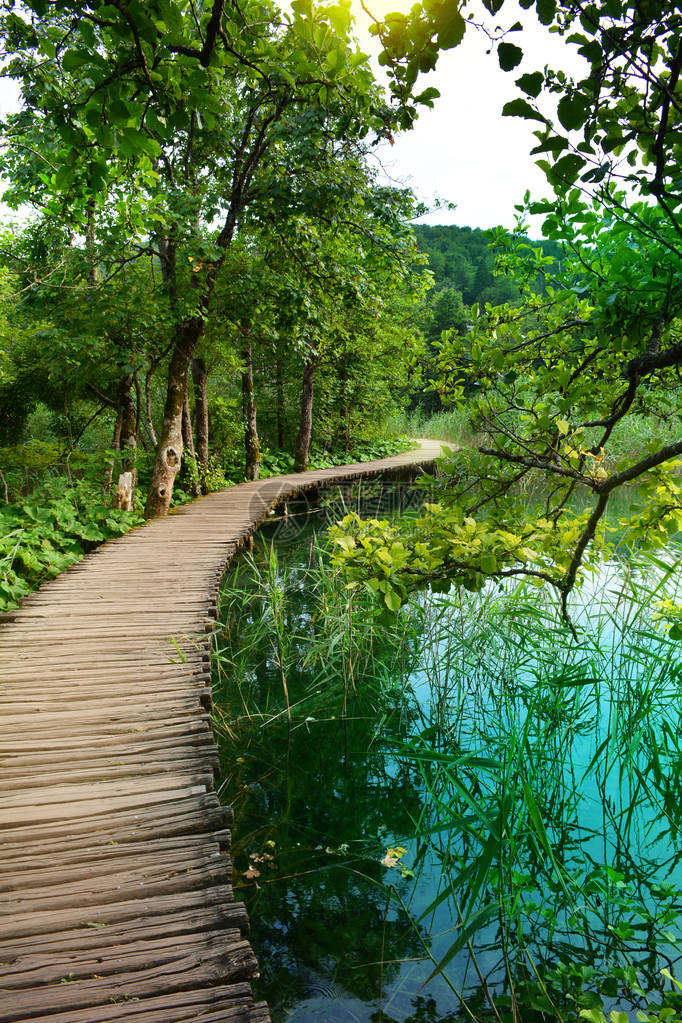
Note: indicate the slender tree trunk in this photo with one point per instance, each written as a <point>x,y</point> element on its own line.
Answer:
<point>148,405</point>
<point>123,497</point>
<point>115,445</point>
<point>169,450</point>
<point>251,445</point>
<point>279,383</point>
<point>188,444</point>
<point>138,408</point>
<point>302,456</point>
<point>187,435</point>
<point>128,442</point>
<point>342,432</point>
<point>199,378</point>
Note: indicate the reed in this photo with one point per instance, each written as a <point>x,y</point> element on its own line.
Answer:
<point>533,781</point>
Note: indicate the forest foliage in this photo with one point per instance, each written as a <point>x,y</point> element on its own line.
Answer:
<point>212,280</point>
<point>553,380</point>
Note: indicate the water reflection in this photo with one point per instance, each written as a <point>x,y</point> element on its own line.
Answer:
<point>533,783</point>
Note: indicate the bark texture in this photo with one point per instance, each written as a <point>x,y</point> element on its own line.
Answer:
<point>128,440</point>
<point>187,435</point>
<point>148,404</point>
<point>251,445</point>
<point>123,498</point>
<point>302,455</point>
<point>169,450</point>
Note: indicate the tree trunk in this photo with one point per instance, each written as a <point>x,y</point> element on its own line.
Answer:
<point>199,378</point>
<point>343,428</point>
<point>148,404</point>
<point>251,446</point>
<point>302,456</point>
<point>279,379</point>
<point>128,446</point>
<point>187,435</point>
<point>115,445</point>
<point>169,450</point>
<point>90,245</point>
<point>128,440</point>
<point>125,492</point>
<point>188,442</point>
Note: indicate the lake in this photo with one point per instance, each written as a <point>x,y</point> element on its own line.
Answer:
<point>462,815</point>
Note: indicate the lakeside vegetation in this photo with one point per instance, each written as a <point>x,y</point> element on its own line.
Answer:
<point>461,812</point>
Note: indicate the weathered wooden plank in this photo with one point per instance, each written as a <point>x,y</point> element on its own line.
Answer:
<point>172,1008</point>
<point>207,962</point>
<point>106,936</point>
<point>30,970</point>
<point>51,921</point>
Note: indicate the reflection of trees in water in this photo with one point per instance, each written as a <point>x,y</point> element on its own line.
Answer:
<point>331,926</point>
<point>300,789</point>
<point>321,781</point>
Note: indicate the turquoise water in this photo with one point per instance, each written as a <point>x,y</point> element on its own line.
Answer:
<point>530,787</point>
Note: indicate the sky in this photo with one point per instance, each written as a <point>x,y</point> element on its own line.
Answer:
<point>463,151</point>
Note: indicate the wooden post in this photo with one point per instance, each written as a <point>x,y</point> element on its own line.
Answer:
<point>123,497</point>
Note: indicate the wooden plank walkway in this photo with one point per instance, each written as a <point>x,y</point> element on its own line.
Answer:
<point>115,879</point>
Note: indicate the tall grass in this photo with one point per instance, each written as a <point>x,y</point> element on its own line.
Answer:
<point>452,426</point>
<point>534,783</point>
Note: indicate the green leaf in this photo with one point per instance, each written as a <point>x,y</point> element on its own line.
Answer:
<point>488,564</point>
<point>520,108</point>
<point>427,96</point>
<point>451,27</point>
<point>572,111</point>
<point>566,169</point>
<point>546,10</point>
<point>509,56</point>
<point>392,600</point>
<point>118,111</point>
<point>75,59</point>
<point>554,144</point>
<point>531,84</point>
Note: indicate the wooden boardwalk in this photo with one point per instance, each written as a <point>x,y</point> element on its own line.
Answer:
<point>115,880</point>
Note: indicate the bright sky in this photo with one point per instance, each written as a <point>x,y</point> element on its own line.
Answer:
<point>464,150</point>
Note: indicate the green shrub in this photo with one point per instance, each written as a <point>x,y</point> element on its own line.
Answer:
<point>53,528</point>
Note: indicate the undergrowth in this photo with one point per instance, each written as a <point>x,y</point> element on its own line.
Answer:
<point>51,529</point>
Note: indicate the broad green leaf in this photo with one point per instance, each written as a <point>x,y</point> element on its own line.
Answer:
<point>531,84</point>
<point>520,108</point>
<point>572,111</point>
<point>509,56</point>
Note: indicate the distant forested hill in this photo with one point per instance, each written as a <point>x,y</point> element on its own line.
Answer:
<point>460,258</point>
<point>462,262</point>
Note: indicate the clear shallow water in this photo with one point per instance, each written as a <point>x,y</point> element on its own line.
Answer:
<point>534,783</point>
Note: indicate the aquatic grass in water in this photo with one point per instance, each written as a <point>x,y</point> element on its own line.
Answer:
<point>462,815</point>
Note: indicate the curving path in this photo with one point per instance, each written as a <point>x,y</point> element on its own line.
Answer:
<point>115,880</point>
